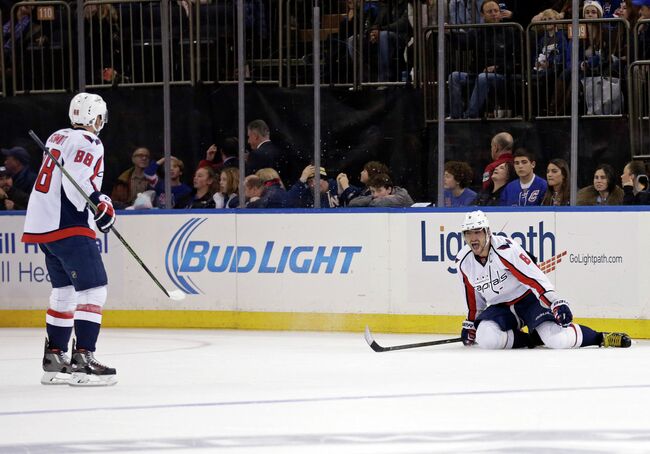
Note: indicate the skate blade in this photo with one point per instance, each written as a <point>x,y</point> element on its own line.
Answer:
<point>80,379</point>
<point>55,378</point>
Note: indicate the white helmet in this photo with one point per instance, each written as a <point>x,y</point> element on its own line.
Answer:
<point>85,108</point>
<point>475,220</point>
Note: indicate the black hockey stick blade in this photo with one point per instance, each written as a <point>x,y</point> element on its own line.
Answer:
<point>378,348</point>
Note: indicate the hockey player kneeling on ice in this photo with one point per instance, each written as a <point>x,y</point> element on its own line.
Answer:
<point>61,222</point>
<point>505,291</point>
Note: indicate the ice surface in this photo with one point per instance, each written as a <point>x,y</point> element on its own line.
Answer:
<point>302,392</point>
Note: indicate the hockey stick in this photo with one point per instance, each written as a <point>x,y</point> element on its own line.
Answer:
<point>175,294</point>
<point>378,348</point>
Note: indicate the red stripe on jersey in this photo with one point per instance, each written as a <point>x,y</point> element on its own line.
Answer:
<point>529,281</point>
<point>64,315</point>
<point>516,300</point>
<point>96,171</point>
<point>470,297</point>
<point>89,308</point>
<point>58,235</point>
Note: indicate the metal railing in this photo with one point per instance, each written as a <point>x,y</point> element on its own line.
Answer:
<point>123,43</point>
<point>603,65</point>
<point>641,47</point>
<point>337,67</point>
<point>3,89</point>
<point>41,56</point>
<point>638,81</point>
<point>216,41</point>
<point>485,70</point>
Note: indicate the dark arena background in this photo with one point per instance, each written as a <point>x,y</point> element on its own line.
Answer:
<point>357,126</point>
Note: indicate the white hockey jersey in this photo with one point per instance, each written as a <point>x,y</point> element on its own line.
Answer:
<point>56,210</point>
<point>508,275</point>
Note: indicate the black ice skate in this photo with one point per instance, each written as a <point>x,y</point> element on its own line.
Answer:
<point>620,340</point>
<point>87,371</point>
<point>56,366</point>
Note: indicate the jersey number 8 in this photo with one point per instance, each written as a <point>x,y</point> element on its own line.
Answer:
<point>44,178</point>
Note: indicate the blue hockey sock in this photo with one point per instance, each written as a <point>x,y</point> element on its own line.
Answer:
<point>58,336</point>
<point>87,334</point>
<point>590,337</point>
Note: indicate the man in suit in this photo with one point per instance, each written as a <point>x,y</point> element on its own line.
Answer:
<point>265,153</point>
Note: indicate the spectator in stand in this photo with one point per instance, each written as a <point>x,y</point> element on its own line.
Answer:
<point>610,7</point>
<point>635,184</point>
<point>597,59</point>
<point>17,162</point>
<point>528,189</point>
<point>550,58</point>
<point>456,179</point>
<point>179,189</point>
<point>641,10</point>
<point>496,51</point>
<point>503,174</point>
<point>390,33</point>
<point>501,151</point>
<point>253,190</point>
<point>383,194</point>
<point>558,179</point>
<point>274,194</point>
<point>347,192</point>
<point>461,12</point>
<point>227,197</point>
<point>264,153</point>
<point>11,198</point>
<point>604,191</point>
<point>343,47</point>
<point>205,187</point>
<point>386,37</point>
<point>630,13</point>
<point>228,155</point>
<point>25,32</point>
<point>104,46</point>
<point>134,177</point>
<point>120,195</point>
<point>302,192</point>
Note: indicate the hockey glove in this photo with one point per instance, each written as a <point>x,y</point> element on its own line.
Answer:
<point>468,333</point>
<point>562,313</point>
<point>105,214</point>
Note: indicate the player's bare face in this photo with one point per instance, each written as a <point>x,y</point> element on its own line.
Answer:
<point>476,239</point>
<point>600,180</point>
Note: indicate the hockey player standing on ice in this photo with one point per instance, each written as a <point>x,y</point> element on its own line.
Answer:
<point>505,291</point>
<point>61,222</point>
